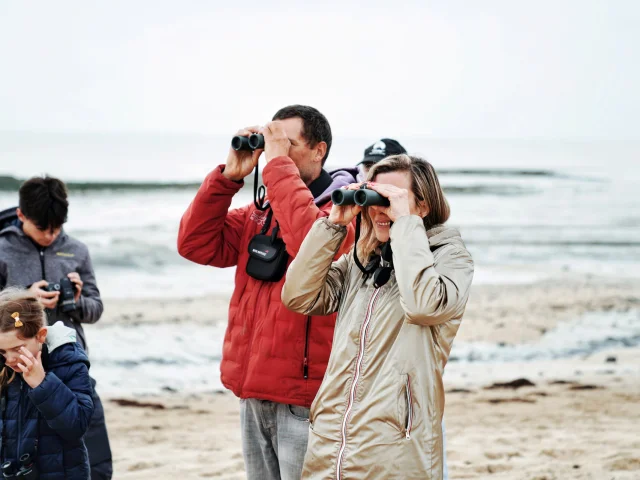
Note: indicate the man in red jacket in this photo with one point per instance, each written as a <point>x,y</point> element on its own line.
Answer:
<point>273,359</point>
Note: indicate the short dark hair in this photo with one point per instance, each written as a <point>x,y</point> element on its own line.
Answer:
<point>315,126</point>
<point>43,200</point>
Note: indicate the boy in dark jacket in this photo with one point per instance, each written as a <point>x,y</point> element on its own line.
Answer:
<point>36,253</point>
<point>46,392</point>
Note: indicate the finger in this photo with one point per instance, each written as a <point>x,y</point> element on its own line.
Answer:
<point>24,369</point>
<point>253,129</point>
<point>27,353</point>
<point>49,295</point>
<point>269,128</point>
<point>27,361</point>
<point>384,190</point>
<point>40,283</point>
<point>276,126</point>
<point>39,358</point>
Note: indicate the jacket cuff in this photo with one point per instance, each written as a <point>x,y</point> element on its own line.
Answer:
<point>332,226</point>
<point>404,225</point>
<point>42,392</point>
<point>216,176</point>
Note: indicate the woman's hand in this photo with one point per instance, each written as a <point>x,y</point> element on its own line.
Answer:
<point>398,199</point>
<point>344,215</point>
<point>32,369</point>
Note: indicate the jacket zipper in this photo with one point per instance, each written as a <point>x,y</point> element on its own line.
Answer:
<point>42,263</point>
<point>354,384</point>
<point>409,408</point>
<point>305,362</point>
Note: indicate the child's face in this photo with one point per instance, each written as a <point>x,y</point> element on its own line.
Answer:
<point>11,343</point>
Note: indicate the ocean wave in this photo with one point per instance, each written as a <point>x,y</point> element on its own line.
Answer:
<point>501,190</point>
<point>12,184</point>
<point>593,332</point>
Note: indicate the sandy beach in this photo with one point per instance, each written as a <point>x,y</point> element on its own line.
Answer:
<point>580,418</point>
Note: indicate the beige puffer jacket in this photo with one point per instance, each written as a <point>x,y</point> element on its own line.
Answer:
<point>378,412</point>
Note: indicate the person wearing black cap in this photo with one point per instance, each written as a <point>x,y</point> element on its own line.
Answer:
<point>376,152</point>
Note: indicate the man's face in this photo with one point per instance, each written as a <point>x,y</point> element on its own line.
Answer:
<point>306,159</point>
<point>44,238</point>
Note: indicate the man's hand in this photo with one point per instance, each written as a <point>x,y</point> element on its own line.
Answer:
<point>47,299</point>
<point>77,281</point>
<point>241,162</point>
<point>276,142</point>
<point>32,370</point>
<point>343,215</point>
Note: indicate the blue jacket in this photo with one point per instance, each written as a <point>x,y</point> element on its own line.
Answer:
<point>56,413</point>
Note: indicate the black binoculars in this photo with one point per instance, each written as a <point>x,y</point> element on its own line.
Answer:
<point>27,470</point>
<point>365,197</point>
<point>255,141</point>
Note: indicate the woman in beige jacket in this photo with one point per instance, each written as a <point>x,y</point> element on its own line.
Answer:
<point>379,409</point>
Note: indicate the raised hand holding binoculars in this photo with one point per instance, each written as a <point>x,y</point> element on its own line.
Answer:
<point>249,143</point>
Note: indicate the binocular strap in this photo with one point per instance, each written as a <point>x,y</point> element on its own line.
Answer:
<point>380,267</point>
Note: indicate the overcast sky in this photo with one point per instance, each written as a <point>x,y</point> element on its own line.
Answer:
<point>444,68</point>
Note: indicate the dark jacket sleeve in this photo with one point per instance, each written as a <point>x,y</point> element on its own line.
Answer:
<point>210,233</point>
<point>3,275</point>
<point>66,406</point>
<point>293,205</point>
<point>90,305</point>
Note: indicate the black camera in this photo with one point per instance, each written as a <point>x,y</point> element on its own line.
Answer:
<point>365,197</point>
<point>27,470</point>
<point>255,141</point>
<point>66,301</point>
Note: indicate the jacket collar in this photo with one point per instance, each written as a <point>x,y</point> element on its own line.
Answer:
<point>320,184</point>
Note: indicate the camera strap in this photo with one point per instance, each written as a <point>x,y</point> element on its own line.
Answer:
<point>259,194</point>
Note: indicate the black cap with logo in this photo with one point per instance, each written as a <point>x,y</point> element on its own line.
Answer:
<point>383,148</point>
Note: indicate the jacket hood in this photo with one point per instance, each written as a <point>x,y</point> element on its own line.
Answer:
<point>58,335</point>
<point>19,233</point>
<point>62,348</point>
<point>441,235</point>
<point>339,178</point>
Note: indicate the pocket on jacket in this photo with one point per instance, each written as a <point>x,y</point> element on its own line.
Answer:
<point>406,406</point>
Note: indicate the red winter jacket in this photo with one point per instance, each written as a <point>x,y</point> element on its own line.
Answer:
<point>269,352</point>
